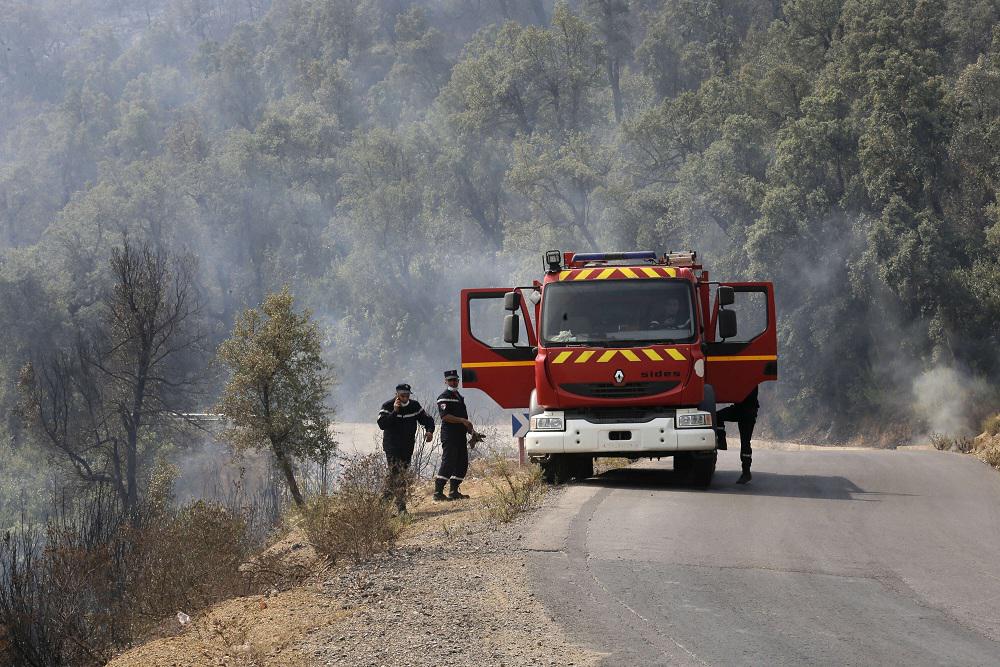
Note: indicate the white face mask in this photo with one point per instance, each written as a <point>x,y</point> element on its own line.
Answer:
<point>450,388</point>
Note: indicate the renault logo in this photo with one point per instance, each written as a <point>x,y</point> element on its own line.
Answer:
<point>619,376</point>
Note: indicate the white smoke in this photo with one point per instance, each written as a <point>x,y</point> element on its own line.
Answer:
<point>946,400</point>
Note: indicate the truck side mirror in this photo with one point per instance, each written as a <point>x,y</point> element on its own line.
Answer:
<point>726,295</point>
<point>727,324</point>
<point>512,301</point>
<point>511,328</point>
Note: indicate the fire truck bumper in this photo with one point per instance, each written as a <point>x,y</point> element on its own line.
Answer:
<point>583,437</point>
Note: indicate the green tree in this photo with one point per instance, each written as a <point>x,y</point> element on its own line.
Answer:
<point>276,396</point>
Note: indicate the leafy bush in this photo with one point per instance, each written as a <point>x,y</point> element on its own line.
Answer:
<point>357,521</point>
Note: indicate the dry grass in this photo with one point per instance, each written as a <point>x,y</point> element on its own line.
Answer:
<point>990,453</point>
<point>97,579</point>
<point>986,446</point>
<point>356,522</point>
<point>512,489</point>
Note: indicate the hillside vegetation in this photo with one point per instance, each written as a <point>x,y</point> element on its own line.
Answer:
<point>376,156</point>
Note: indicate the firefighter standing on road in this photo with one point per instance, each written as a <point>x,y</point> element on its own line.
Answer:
<point>398,418</point>
<point>744,414</point>
<point>455,427</point>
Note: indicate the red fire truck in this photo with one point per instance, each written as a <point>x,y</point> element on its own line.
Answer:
<point>620,355</point>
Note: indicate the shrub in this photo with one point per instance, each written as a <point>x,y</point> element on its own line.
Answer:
<point>97,579</point>
<point>357,521</point>
<point>946,443</point>
<point>513,490</point>
<point>188,560</point>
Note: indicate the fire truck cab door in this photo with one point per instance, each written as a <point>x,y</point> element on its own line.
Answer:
<point>505,372</point>
<point>736,365</point>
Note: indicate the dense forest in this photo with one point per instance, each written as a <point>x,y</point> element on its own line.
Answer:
<point>377,155</point>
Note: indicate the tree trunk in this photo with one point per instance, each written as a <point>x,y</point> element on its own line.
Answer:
<point>614,80</point>
<point>286,469</point>
<point>132,427</point>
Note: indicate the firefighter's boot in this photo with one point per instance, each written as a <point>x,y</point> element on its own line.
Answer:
<point>439,490</point>
<point>455,493</point>
<point>746,476</point>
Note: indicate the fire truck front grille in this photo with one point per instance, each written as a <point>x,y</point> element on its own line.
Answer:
<point>607,390</point>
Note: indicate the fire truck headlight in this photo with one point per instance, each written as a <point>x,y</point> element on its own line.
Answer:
<point>548,421</point>
<point>693,419</point>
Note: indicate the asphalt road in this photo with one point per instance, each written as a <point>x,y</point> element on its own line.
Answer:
<point>830,557</point>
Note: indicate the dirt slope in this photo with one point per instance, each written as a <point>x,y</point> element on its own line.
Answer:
<point>452,592</point>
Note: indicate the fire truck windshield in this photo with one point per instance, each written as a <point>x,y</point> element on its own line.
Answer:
<point>617,312</point>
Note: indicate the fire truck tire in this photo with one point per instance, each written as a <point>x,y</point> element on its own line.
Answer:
<point>683,462</point>
<point>583,467</point>
<point>556,469</point>
<point>702,470</point>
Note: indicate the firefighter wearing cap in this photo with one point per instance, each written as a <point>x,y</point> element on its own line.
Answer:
<point>398,418</point>
<point>455,426</point>
<point>744,414</point>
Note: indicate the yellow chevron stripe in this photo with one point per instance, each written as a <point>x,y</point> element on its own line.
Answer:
<point>583,274</point>
<point>562,356</point>
<point>672,272</point>
<point>675,355</point>
<point>650,272</point>
<point>652,354</point>
<point>586,354</point>
<point>563,275</point>
<point>630,355</point>
<point>606,357</point>
<point>629,273</point>
<point>605,274</point>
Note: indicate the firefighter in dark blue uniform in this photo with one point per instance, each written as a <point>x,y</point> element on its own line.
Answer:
<point>744,414</point>
<point>455,427</point>
<point>398,418</point>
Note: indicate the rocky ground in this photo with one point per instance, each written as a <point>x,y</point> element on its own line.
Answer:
<point>452,596</point>
<point>452,592</point>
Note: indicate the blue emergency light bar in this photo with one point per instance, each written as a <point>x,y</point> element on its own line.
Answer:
<point>612,256</point>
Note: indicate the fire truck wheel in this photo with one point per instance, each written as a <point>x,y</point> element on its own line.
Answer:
<point>702,470</point>
<point>555,469</point>
<point>583,467</point>
<point>682,463</point>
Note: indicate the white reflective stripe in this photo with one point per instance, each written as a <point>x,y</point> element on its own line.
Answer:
<point>440,477</point>
<point>459,479</point>
<point>412,414</point>
<point>384,412</point>
<point>449,400</point>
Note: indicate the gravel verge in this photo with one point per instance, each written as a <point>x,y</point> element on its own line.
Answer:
<point>455,594</point>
